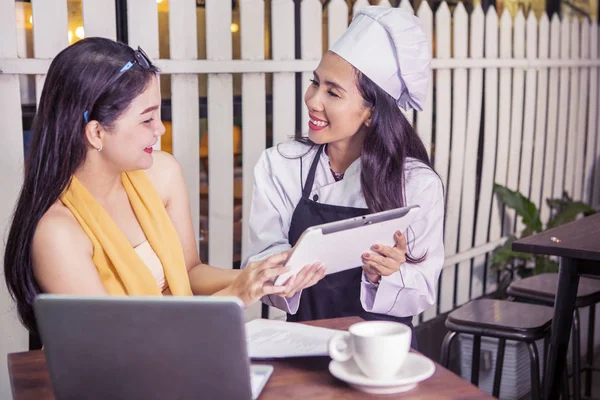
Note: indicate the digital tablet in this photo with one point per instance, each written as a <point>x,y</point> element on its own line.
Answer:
<point>340,245</point>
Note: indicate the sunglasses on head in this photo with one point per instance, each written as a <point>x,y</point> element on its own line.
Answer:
<point>140,58</point>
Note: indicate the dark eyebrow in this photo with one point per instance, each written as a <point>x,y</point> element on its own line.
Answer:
<point>147,110</point>
<point>330,83</point>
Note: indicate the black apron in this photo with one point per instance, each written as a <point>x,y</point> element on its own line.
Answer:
<point>336,295</point>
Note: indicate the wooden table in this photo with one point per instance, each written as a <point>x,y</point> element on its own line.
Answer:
<point>299,378</point>
<point>578,246</point>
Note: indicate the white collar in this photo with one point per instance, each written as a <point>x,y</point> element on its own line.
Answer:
<point>352,169</point>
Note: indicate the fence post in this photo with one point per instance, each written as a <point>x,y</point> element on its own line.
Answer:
<point>185,103</point>
<point>13,336</point>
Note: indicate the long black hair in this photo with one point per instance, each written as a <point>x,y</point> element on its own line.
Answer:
<point>86,77</point>
<point>389,140</point>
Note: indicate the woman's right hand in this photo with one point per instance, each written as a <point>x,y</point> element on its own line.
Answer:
<point>256,280</point>
<point>308,276</point>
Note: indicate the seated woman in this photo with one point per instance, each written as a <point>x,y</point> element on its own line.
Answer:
<point>361,156</point>
<point>100,212</point>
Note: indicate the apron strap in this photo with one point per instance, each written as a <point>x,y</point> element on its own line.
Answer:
<point>310,179</point>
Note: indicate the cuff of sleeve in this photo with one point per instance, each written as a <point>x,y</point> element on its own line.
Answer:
<point>289,305</point>
<point>368,292</point>
<point>381,299</point>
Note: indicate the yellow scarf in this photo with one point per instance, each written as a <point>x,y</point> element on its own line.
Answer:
<point>122,271</point>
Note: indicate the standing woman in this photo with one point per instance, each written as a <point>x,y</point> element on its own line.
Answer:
<point>100,212</point>
<point>361,156</point>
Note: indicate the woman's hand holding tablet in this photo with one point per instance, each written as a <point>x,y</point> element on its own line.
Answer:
<point>340,245</point>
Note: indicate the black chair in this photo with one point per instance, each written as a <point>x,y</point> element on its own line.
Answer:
<point>541,289</point>
<point>503,320</point>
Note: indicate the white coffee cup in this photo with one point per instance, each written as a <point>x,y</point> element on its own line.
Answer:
<point>378,348</point>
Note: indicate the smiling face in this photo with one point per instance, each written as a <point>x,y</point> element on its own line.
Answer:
<point>128,143</point>
<point>336,108</point>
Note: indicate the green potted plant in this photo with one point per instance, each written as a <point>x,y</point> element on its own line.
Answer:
<point>510,263</point>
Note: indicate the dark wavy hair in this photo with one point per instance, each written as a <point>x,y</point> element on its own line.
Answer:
<point>389,141</point>
<point>83,77</point>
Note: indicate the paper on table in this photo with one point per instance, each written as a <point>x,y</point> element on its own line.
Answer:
<point>278,339</point>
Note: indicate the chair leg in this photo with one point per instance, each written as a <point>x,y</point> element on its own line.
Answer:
<point>499,365</point>
<point>565,385</point>
<point>546,346</point>
<point>264,311</point>
<point>590,352</point>
<point>576,356</point>
<point>535,370</point>
<point>445,359</point>
<point>565,395</point>
<point>475,360</point>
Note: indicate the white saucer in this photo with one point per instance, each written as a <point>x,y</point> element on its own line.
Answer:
<point>416,368</point>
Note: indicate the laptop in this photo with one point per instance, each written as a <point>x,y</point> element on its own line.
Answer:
<point>117,347</point>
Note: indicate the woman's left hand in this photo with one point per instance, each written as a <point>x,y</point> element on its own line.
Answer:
<point>384,260</point>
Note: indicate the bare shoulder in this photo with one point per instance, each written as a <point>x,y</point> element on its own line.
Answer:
<point>62,255</point>
<point>58,227</point>
<point>57,240</point>
<point>164,164</point>
<point>165,174</point>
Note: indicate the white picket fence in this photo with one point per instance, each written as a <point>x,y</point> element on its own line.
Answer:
<point>522,89</point>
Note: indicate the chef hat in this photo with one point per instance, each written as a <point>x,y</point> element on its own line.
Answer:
<point>389,46</point>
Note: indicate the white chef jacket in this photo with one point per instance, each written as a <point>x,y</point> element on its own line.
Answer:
<point>278,189</point>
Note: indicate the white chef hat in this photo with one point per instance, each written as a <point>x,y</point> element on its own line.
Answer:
<point>389,46</point>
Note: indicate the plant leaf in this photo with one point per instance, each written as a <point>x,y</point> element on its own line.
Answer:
<point>569,212</point>
<point>526,232</point>
<point>505,258</point>
<point>522,205</point>
<point>543,264</point>
<point>556,204</point>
